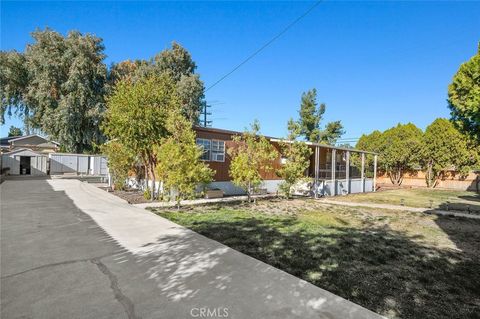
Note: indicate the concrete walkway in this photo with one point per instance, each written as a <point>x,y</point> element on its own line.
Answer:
<point>399,207</point>
<point>70,250</point>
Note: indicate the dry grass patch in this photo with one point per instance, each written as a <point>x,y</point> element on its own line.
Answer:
<point>419,197</point>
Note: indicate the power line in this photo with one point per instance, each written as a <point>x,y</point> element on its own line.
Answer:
<point>251,56</point>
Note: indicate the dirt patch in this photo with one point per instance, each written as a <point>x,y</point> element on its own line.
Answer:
<point>131,196</point>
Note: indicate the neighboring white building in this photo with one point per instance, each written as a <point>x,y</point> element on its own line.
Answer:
<point>25,162</point>
<point>36,155</point>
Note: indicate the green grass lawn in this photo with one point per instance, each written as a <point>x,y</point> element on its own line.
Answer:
<point>401,265</point>
<point>419,197</point>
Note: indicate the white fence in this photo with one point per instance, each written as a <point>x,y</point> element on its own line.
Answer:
<point>81,164</point>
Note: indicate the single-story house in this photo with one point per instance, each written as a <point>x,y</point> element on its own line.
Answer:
<point>328,165</point>
<point>33,142</point>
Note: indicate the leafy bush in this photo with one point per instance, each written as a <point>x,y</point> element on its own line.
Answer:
<point>120,161</point>
<point>147,194</point>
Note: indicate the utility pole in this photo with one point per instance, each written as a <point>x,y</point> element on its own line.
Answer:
<point>204,114</point>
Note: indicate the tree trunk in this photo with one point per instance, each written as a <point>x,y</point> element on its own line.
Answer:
<point>437,179</point>
<point>395,177</point>
<point>152,171</point>
<point>429,176</point>
<point>249,189</point>
<point>390,175</point>
<point>178,199</point>
<point>147,174</point>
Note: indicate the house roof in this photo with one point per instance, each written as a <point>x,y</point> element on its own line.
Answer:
<point>328,146</point>
<point>274,139</point>
<point>19,138</point>
<point>215,130</point>
<point>219,130</point>
<point>20,150</point>
<point>5,141</point>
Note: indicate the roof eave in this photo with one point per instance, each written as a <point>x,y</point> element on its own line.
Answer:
<point>325,146</point>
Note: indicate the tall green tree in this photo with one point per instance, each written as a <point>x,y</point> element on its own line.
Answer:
<point>370,142</point>
<point>58,87</point>
<point>177,62</point>
<point>14,78</point>
<point>446,149</point>
<point>190,90</point>
<point>14,131</point>
<point>310,118</point>
<point>251,155</point>
<point>398,148</point>
<point>136,117</point>
<point>124,71</point>
<point>297,160</point>
<point>464,97</point>
<point>186,171</point>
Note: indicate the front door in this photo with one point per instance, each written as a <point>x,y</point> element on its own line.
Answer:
<point>25,168</point>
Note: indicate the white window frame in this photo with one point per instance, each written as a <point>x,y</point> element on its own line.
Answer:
<point>202,142</point>
<point>220,150</point>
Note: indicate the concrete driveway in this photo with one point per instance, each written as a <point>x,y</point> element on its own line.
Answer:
<point>70,250</point>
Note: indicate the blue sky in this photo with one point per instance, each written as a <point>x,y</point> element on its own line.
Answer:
<point>374,64</point>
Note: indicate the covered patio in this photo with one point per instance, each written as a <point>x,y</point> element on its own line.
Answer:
<point>341,171</point>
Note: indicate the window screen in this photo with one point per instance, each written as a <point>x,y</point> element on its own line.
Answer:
<point>218,151</point>
<point>205,145</point>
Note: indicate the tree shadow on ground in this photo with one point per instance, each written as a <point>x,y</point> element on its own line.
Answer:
<point>465,234</point>
<point>192,271</point>
<point>381,269</point>
<point>463,207</point>
<point>473,197</point>
<point>473,204</point>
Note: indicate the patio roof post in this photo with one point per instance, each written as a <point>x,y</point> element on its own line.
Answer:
<point>347,170</point>
<point>375,172</point>
<point>363,173</point>
<point>332,170</point>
